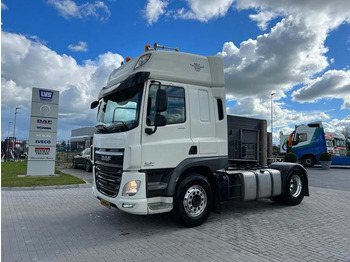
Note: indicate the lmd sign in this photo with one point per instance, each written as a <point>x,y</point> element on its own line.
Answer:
<point>43,132</point>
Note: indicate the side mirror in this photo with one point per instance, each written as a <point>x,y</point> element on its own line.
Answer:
<point>161,101</point>
<point>159,120</point>
<point>94,104</point>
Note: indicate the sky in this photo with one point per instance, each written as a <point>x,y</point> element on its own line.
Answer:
<point>297,49</point>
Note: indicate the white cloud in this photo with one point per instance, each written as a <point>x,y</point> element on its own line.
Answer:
<point>204,10</point>
<point>80,47</point>
<point>333,84</point>
<point>261,109</point>
<point>289,54</point>
<point>26,64</point>
<point>154,9</point>
<point>337,125</point>
<point>69,9</point>
<point>263,18</point>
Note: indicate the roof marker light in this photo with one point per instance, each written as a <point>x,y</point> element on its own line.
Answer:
<point>147,48</point>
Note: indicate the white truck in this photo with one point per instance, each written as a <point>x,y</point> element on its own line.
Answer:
<point>161,142</point>
<point>339,143</point>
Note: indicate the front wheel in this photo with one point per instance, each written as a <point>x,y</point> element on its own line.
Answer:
<point>193,200</point>
<point>308,161</point>
<point>294,191</point>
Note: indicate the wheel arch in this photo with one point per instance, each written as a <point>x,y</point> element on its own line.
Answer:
<point>199,170</point>
<point>201,166</point>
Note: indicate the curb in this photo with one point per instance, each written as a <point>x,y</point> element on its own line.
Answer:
<point>46,187</point>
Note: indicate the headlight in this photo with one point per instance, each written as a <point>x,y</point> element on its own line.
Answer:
<point>142,60</point>
<point>131,188</point>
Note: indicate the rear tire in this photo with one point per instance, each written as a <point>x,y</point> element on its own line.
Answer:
<point>294,190</point>
<point>193,201</point>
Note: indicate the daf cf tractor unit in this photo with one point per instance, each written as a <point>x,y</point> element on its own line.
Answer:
<point>161,142</point>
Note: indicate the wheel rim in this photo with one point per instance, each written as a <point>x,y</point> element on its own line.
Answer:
<point>195,201</point>
<point>308,161</point>
<point>295,186</point>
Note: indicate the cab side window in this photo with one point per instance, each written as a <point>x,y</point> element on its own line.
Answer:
<point>301,137</point>
<point>175,113</point>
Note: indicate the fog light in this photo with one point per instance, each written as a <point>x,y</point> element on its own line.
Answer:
<point>131,188</point>
<point>127,205</point>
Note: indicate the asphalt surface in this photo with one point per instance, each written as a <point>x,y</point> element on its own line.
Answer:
<point>71,225</point>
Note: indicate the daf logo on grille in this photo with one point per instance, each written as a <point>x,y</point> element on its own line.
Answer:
<point>106,158</point>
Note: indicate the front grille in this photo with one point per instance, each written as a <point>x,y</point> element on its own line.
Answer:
<point>108,171</point>
<point>342,152</point>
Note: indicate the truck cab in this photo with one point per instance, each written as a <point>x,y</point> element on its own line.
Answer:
<point>339,144</point>
<point>308,142</point>
<point>329,143</point>
<point>156,96</point>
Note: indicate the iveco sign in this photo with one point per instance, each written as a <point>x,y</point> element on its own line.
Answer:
<point>43,142</point>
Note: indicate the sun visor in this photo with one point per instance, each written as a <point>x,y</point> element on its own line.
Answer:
<point>133,80</point>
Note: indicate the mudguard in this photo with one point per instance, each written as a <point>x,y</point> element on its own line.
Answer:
<point>286,169</point>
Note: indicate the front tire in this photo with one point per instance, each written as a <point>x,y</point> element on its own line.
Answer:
<point>308,161</point>
<point>193,201</point>
<point>87,166</point>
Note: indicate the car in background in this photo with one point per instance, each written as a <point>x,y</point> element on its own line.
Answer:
<point>83,160</point>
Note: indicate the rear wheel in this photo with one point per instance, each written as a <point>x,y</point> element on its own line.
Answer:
<point>193,201</point>
<point>294,191</point>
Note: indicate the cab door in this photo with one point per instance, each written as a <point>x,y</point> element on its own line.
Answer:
<point>170,144</point>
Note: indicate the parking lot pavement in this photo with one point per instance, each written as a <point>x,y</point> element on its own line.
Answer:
<point>334,178</point>
<point>80,173</point>
<point>71,225</point>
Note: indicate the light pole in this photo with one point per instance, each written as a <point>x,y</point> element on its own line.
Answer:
<point>8,130</point>
<point>14,128</point>
<point>8,142</point>
<point>272,114</point>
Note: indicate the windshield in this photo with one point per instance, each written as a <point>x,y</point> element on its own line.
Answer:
<point>329,143</point>
<point>339,142</point>
<point>119,111</point>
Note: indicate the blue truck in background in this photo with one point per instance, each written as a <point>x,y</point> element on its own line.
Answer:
<point>308,142</point>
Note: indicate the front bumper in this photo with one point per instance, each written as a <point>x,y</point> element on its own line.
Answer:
<point>138,204</point>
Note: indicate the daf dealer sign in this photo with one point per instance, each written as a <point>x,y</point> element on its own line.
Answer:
<point>43,132</point>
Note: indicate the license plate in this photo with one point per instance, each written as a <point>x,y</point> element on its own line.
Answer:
<point>105,203</point>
